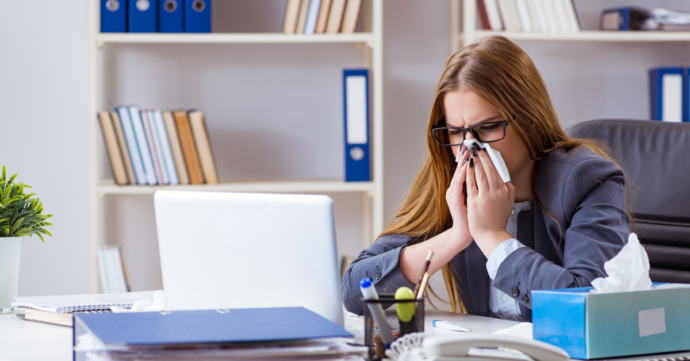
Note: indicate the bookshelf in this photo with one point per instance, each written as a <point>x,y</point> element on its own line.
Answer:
<point>370,44</point>
<point>464,30</point>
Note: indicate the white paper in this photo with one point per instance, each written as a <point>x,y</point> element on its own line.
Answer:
<point>627,271</point>
<point>495,156</point>
<point>521,330</point>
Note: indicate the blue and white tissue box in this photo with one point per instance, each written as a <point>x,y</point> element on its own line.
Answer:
<point>590,325</point>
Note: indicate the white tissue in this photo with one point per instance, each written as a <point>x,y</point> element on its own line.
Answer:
<point>628,270</point>
<point>158,304</point>
<point>495,156</point>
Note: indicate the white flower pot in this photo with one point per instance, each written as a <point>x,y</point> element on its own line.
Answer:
<point>10,254</point>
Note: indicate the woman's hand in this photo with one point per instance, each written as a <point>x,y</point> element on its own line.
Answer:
<point>456,199</point>
<point>489,202</point>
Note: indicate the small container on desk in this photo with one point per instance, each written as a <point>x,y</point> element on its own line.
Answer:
<point>390,305</point>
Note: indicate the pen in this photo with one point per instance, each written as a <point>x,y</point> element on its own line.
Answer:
<point>369,293</point>
<point>422,285</point>
<point>445,325</point>
<point>429,256</point>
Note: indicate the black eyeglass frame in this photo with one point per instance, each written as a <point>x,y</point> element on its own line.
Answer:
<point>464,131</point>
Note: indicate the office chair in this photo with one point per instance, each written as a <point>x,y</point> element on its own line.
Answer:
<point>656,158</point>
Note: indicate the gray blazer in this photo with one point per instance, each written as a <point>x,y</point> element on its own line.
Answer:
<point>584,193</point>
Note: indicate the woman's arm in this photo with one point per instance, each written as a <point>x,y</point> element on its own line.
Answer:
<point>391,264</point>
<point>596,231</point>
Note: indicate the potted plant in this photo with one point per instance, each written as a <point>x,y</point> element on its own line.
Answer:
<point>20,217</point>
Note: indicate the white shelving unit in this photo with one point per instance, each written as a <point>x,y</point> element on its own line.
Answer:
<point>370,44</point>
<point>470,32</point>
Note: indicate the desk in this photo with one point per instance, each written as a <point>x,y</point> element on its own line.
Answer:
<point>23,340</point>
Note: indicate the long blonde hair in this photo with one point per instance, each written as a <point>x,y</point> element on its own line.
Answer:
<point>503,75</point>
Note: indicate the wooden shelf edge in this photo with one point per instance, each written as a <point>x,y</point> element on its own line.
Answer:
<point>220,38</point>
<point>604,36</point>
<point>326,186</point>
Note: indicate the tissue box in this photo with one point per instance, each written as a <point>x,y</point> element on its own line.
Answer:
<point>596,325</point>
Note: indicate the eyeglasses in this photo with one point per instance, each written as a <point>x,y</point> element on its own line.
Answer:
<point>484,132</point>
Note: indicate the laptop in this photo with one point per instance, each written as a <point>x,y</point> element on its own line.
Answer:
<point>246,250</point>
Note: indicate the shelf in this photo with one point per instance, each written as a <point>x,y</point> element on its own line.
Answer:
<point>609,36</point>
<point>296,186</point>
<point>231,38</point>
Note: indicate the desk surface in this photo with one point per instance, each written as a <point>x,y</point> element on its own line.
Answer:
<point>24,340</point>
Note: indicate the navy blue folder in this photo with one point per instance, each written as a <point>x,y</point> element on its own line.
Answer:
<point>356,122</point>
<point>142,16</point>
<point>113,16</point>
<point>170,18</point>
<point>657,90</point>
<point>197,16</point>
<point>207,326</point>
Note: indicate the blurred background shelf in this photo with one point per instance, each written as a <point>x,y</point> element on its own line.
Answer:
<point>231,38</point>
<point>603,36</point>
<point>108,186</point>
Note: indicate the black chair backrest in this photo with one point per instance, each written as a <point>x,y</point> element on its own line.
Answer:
<point>656,159</point>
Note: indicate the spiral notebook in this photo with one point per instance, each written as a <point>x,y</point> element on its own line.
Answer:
<point>75,303</point>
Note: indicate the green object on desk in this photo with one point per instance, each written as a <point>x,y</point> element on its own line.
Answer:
<point>406,310</point>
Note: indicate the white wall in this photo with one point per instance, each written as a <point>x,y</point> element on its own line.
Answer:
<point>282,93</point>
<point>44,133</point>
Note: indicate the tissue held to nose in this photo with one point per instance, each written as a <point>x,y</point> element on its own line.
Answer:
<point>628,270</point>
<point>495,156</point>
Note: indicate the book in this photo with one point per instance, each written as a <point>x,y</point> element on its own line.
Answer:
<point>302,18</point>
<point>571,13</point>
<point>561,16</point>
<point>509,14</point>
<point>151,140</point>
<point>132,145</point>
<point>188,148</point>
<point>158,147</point>
<point>86,302</point>
<point>143,145</point>
<point>113,147</point>
<point>123,147</point>
<point>335,17</point>
<point>112,271</point>
<point>524,16</point>
<point>52,318</point>
<point>351,16</point>
<point>166,150</point>
<point>492,13</point>
<point>322,21</point>
<point>482,16</point>
<point>203,146</point>
<point>550,14</point>
<point>175,147</point>
<point>291,13</point>
<point>312,17</point>
<point>537,15</point>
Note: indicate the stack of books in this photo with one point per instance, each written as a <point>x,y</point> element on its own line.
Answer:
<point>150,147</point>
<point>112,270</point>
<point>529,16</point>
<point>321,16</point>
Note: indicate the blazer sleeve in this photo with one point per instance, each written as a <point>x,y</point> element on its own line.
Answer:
<point>381,263</point>
<point>597,230</point>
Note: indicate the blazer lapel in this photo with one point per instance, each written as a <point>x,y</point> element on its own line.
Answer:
<point>477,279</point>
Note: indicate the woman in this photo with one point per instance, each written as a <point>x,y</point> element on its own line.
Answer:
<point>562,215</point>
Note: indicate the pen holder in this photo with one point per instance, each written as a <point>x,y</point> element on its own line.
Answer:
<point>389,304</point>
